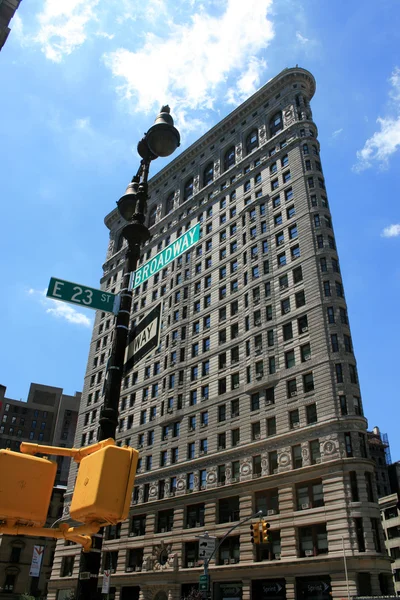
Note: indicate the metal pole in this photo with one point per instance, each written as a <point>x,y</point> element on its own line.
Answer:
<point>217,546</point>
<point>345,570</point>
<point>137,234</point>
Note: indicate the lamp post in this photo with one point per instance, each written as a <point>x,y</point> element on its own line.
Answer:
<point>162,139</point>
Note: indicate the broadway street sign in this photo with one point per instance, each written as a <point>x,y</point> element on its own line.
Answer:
<point>143,338</point>
<point>163,258</point>
<point>74,293</point>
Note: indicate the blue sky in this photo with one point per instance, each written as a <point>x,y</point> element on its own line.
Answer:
<point>83,79</point>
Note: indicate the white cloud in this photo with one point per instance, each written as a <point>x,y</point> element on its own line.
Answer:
<point>301,38</point>
<point>337,132</point>
<point>384,142</point>
<point>391,231</point>
<point>186,67</point>
<point>60,310</point>
<point>63,26</point>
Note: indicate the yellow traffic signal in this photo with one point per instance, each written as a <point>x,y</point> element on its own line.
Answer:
<point>26,485</point>
<point>255,533</point>
<point>265,533</point>
<point>104,485</point>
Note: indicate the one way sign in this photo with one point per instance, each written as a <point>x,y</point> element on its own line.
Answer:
<point>143,338</point>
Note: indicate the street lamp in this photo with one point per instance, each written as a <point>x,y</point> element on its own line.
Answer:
<point>162,139</point>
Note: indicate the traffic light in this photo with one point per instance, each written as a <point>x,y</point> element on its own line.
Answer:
<point>265,533</point>
<point>104,485</point>
<point>26,485</point>
<point>255,533</point>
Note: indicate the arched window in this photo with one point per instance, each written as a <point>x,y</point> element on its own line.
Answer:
<point>152,215</point>
<point>169,203</point>
<point>275,124</point>
<point>208,174</point>
<point>188,189</point>
<point>252,141</point>
<point>229,158</point>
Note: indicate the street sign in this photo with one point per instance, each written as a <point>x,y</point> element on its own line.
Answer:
<point>206,546</point>
<point>163,258</point>
<point>105,588</point>
<point>143,338</point>
<point>204,581</point>
<point>74,293</point>
<point>36,563</point>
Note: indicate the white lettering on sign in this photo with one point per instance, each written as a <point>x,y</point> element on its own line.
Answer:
<point>180,245</point>
<point>142,338</point>
<point>57,288</point>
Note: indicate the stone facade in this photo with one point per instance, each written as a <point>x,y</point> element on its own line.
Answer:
<point>252,399</point>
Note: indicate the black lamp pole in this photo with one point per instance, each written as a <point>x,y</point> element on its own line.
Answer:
<point>162,139</point>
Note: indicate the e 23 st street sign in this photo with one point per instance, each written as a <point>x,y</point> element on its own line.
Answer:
<point>163,258</point>
<point>74,293</point>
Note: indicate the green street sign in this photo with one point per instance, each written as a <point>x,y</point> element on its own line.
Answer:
<point>163,258</point>
<point>74,293</point>
<point>203,583</point>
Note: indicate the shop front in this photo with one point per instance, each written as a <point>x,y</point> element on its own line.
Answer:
<point>227,591</point>
<point>268,589</point>
<point>313,588</point>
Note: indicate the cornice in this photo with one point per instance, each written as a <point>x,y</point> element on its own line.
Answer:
<point>230,121</point>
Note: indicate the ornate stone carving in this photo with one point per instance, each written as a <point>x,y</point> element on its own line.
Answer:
<point>239,150</point>
<point>245,468</point>
<point>196,181</point>
<point>110,249</point>
<point>263,133</point>
<point>284,459</point>
<point>211,477</point>
<point>329,447</point>
<point>153,491</point>
<point>180,484</point>
<point>216,168</point>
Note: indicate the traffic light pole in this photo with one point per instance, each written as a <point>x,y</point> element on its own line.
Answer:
<point>90,561</point>
<point>162,139</point>
<point>217,546</point>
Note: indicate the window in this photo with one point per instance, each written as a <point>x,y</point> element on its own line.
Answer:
<point>221,413</point>
<point>348,444</point>
<point>305,352</point>
<point>339,373</point>
<point>169,203</point>
<point>309,495</point>
<point>229,158</point>
<point>255,401</point>
<point>271,426</point>
<point>165,521</point>
<point>235,437</point>
<point>275,124</point>
<point>354,486</point>
<point>67,566</point>
<point>353,374</point>
<point>313,540</point>
<point>358,525</point>
<point>308,382</point>
<point>331,315</point>
<point>375,533</point>
<point>290,359</point>
<point>188,189</point>
<point>294,419</point>
<point>287,332</point>
<point>327,289</point>
<point>297,457</point>
<point>300,299</point>
<point>228,509</point>
<point>208,174</point>
<point>252,141</point>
